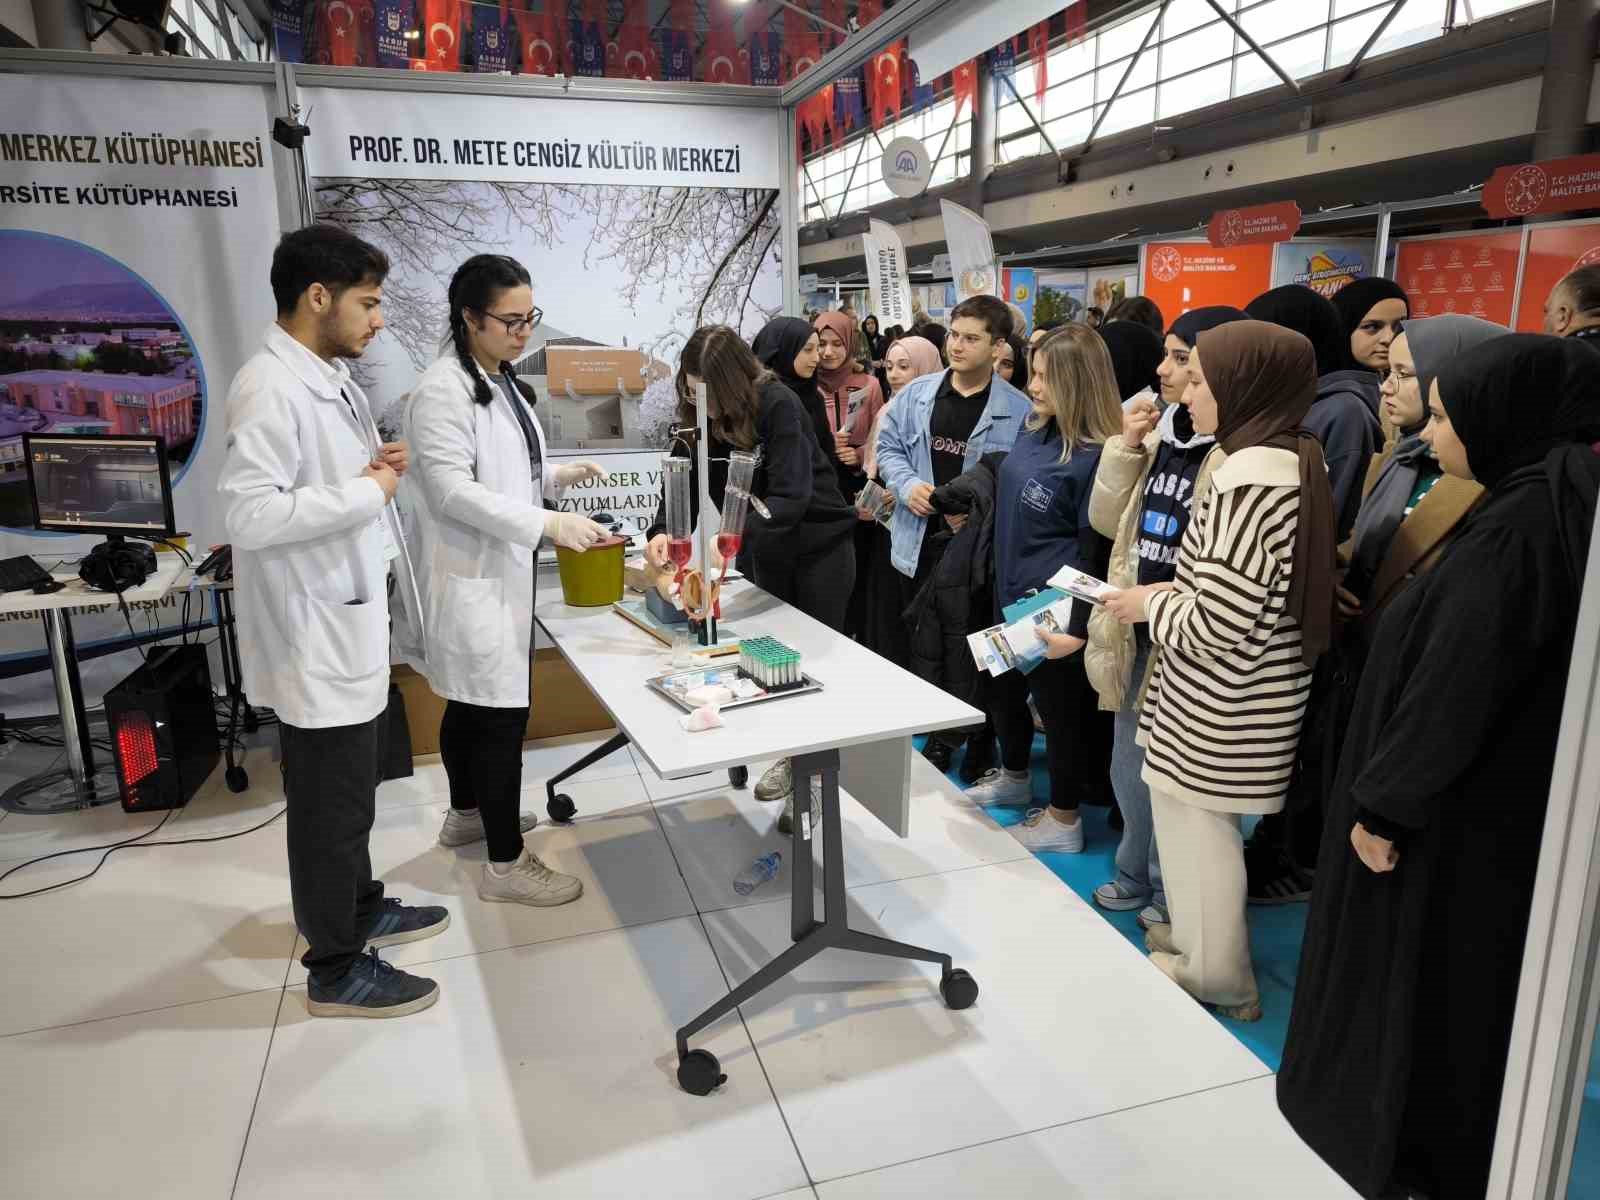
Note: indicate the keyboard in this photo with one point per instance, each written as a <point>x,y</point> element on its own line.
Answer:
<point>20,574</point>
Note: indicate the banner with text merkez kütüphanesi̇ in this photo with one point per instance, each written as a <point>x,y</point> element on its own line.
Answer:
<point>134,286</point>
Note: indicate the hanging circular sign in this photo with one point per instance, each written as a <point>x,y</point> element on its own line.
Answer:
<point>906,167</point>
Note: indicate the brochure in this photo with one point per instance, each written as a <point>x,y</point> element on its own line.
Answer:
<point>1085,587</point>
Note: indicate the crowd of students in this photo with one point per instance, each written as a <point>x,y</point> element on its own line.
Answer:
<point>1347,549</point>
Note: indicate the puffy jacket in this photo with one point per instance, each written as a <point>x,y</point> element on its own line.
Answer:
<point>958,597</point>
<point>1114,510</point>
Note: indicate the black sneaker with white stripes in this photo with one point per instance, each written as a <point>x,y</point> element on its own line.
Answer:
<point>371,988</point>
<point>397,923</point>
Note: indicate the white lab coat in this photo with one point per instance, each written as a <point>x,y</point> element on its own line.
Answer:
<point>474,524</point>
<point>310,552</point>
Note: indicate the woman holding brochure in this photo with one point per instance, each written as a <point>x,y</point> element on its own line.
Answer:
<point>1042,525</point>
<point>1236,635</point>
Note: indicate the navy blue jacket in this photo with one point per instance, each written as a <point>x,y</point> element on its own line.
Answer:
<point>1042,519</point>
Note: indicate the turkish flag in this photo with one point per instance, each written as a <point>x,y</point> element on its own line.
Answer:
<point>815,117</point>
<point>1077,17</point>
<point>868,11</point>
<point>634,55</point>
<point>883,84</point>
<point>441,33</point>
<point>1039,51</point>
<point>339,33</point>
<point>541,38</point>
<point>802,53</point>
<point>833,14</point>
<point>723,61</point>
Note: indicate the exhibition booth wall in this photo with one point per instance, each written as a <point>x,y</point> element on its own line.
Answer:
<point>142,200</point>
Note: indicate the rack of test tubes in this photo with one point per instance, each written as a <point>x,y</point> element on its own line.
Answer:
<point>770,663</point>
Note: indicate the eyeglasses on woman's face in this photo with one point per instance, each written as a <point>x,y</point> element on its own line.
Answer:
<point>516,323</point>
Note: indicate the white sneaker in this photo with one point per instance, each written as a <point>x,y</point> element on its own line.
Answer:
<point>529,881</point>
<point>1041,833</point>
<point>998,786</point>
<point>464,828</point>
<point>777,782</point>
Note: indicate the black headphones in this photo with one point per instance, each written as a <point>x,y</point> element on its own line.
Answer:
<point>117,566</point>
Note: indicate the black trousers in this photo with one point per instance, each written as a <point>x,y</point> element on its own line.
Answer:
<point>1077,735</point>
<point>819,585</point>
<point>482,753</point>
<point>330,782</point>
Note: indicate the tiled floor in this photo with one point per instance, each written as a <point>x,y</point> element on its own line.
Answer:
<point>154,1039</point>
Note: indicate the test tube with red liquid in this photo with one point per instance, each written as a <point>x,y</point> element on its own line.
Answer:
<point>680,545</point>
<point>735,505</point>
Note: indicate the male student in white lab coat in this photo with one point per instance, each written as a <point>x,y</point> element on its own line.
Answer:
<point>308,485</point>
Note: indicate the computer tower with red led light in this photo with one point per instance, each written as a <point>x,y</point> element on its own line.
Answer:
<point>163,723</point>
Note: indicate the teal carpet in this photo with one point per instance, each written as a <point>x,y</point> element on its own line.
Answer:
<point>1275,932</point>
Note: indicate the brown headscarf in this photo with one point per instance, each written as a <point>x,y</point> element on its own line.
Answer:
<point>838,378</point>
<point>1264,378</point>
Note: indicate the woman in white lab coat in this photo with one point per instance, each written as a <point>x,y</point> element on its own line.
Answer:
<point>478,491</point>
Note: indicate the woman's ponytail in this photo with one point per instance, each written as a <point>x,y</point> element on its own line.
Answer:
<point>476,284</point>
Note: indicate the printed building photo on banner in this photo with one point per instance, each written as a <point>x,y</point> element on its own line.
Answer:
<point>86,346</point>
<point>623,273</point>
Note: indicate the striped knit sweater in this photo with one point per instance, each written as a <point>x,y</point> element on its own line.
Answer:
<point>1221,722</point>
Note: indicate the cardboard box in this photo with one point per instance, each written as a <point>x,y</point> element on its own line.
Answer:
<point>594,370</point>
<point>562,704</point>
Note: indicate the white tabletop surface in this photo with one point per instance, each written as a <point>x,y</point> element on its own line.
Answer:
<point>864,698</point>
<point>79,596</point>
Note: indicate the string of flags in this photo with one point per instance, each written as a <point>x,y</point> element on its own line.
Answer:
<point>576,37</point>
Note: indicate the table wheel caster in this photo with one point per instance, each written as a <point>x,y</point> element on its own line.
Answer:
<point>959,989</point>
<point>236,779</point>
<point>561,808</point>
<point>739,776</point>
<point>699,1073</point>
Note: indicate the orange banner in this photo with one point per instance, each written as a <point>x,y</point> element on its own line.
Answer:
<point>1553,253</point>
<point>1474,274</point>
<point>1180,276</point>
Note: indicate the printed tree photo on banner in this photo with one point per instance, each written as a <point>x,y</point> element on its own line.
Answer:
<point>86,346</point>
<point>624,273</point>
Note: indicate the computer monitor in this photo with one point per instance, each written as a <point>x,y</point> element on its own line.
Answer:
<point>98,483</point>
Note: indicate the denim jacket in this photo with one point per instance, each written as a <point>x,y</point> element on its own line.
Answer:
<point>905,455</point>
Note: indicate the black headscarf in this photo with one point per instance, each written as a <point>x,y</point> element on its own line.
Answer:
<point>777,345</point>
<point>1355,300</point>
<point>1135,354</point>
<point>1516,399</point>
<point>1188,328</point>
<point>1312,316</point>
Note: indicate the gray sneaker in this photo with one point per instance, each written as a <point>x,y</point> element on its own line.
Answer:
<point>529,882</point>
<point>999,786</point>
<point>462,828</point>
<point>786,818</point>
<point>777,783</point>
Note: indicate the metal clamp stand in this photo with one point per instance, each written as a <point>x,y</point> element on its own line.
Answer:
<point>699,1073</point>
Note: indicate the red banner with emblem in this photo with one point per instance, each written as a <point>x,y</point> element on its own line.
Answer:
<point>1263,224</point>
<point>1556,185</point>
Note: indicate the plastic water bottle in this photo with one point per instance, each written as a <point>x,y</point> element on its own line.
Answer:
<point>761,871</point>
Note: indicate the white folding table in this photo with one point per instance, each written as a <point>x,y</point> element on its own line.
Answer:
<point>856,732</point>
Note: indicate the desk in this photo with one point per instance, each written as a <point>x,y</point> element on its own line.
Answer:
<point>87,785</point>
<point>857,730</point>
